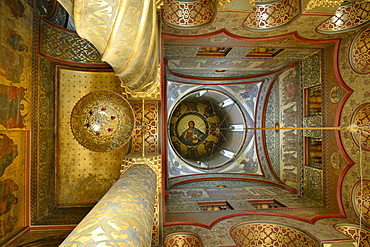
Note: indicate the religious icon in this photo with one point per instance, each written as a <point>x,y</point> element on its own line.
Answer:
<point>8,152</point>
<point>11,98</point>
<point>335,94</point>
<point>192,135</point>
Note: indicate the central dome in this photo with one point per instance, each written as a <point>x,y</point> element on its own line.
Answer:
<point>206,129</point>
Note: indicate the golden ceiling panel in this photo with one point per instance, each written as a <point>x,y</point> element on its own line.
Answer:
<point>179,239</point>
<point>191,14</point>
<point>269,16</point>
<point>347,18</point>
<point>361,118</point>
<point>359,234</point>
<point>270,234</point>
<point>359,54</point>
<point>80,169</point>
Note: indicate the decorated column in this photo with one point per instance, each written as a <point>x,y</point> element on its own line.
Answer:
<point>124,216</point>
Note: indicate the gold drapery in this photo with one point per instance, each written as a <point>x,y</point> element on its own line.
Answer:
<point>126,34</point>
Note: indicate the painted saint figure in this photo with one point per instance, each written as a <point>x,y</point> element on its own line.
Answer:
<point>191,135</point>
<point>8,152</point>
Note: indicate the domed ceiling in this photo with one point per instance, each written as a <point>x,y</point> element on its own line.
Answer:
<point>265,85</point>
<point>206,124</point>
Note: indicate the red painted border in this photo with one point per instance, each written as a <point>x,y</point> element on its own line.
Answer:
<point>336,41</point>
<point>213,223</point>
<point>224,31</point>
<point>21,234</point>
<point>164,134</point>
<point>224,78</point>
<point>28,180</point>
<point>351,46</point>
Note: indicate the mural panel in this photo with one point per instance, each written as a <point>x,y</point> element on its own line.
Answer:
<point>15,64</point>
<point>15,107</point>
<point>12,183</point>
<point>290,140</point>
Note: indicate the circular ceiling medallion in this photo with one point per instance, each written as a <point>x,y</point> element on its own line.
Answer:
<point>335,160</point>
<point>206,129</point>
<point>361,118</point>
<point>194,133</point>
<point>102,121</point>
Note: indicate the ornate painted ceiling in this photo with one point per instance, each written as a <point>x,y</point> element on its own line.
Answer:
<point>238,66</point>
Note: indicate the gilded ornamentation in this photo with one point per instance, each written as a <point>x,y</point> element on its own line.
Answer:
<point>124,215</point>
<point>356,233</point>
<point>102,121</point>
<point>182,239</point>
<point>148,130</point>
<point>270,234</point>
<point>319,4</point>
<point>348,17</point>
<point>312,185</point>
<point>359,53</point>
<point>361,200</point>
<point>311,70</point>
<point>155,163</point>
<point>153,93</point>
<point>335,94</point>
<point>312,121</point>
<point>56,43</point>
<point>191,14</point>
<point>361,118</point>
<point>222,3</point>
<point>336,160</point>
<point>269,16</point>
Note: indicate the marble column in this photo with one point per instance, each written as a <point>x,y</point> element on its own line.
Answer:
<point>124,216</point>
